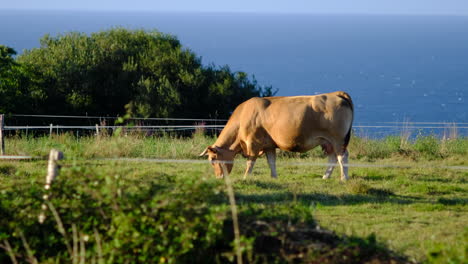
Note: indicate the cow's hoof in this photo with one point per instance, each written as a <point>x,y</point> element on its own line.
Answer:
<point>326,177</point>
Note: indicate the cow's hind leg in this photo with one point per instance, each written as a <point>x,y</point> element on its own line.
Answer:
<point>331,165</point>
<point>343,161</point>
<point>271,158</point>
<point>328,149</point>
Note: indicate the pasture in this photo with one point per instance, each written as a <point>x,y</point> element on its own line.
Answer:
<point>405,197</point>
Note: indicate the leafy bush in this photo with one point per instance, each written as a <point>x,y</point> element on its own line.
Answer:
<point>148,71</point>
<point>114,219</point>
<point>16,84</point>
<point>456,146</point>
<point>428,146</point>
<point>370,149</point>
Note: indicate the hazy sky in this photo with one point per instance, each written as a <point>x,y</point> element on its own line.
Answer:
<point>456,7</point>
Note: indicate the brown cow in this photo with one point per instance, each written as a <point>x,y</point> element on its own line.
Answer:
<point>296,123</point>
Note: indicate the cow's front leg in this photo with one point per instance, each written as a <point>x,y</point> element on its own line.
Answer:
<point>331,165</point>
<point>249,168</point>
<point>343,161</point>
<point>271,158</point>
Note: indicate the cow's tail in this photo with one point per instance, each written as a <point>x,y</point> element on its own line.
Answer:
<point>348,102</point>
<point>347,138</point>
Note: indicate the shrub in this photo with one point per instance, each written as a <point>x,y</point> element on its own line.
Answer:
<point>457,146</point>
<point>428,146</point>
<point>149,72</point>
<point>370,149</point>
<point>115,219</point>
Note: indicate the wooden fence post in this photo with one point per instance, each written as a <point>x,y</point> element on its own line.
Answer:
<point>53,168</point>
<point>2,142</point>
<point>52,172</point>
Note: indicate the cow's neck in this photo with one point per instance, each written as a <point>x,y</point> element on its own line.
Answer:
<point>228,139</point>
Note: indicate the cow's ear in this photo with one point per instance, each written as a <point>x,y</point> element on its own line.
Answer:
<point>208,149</point>
<point>213,149</point>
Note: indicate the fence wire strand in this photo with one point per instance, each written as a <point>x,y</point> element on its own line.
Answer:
<point>117,117</point>
<point>194,127</point>
<point>280,162</point>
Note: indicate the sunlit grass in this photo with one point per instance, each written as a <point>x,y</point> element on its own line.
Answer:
<point>420,211</point>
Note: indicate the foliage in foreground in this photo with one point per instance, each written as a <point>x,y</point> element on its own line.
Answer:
<point>113,219</point>
<point>110,216</point>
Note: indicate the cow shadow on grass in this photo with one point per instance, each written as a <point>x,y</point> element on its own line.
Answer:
<point>265,185</point>
<point>378,177</point>
<point>324,199</point>
<point>442,180</point>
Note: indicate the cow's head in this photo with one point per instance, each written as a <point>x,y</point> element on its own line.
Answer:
<point>219,157</point>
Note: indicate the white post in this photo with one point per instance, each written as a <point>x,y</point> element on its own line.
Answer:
<point>52,172</point>
<point>53,168</point>
<point>50,130</point>
<point>97,130</point>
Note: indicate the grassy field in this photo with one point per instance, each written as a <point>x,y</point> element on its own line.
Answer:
<point>417,209</point>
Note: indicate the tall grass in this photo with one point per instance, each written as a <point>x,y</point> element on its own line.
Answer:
<point>131,145</point>
<point>176,147</point>
<point>423,147</point>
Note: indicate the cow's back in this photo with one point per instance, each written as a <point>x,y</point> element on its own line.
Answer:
<point>296,123</point>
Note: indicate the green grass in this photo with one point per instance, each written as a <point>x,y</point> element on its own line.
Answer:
<point>420,212</point>
<point>414,211</point>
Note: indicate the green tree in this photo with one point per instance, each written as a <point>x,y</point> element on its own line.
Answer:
<point>147,70</point>
<point>8,82</point>
<point>18,93</point>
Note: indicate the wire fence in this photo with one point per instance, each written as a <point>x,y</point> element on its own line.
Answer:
<point>204,126</point>
<point>279,162</point>
<point>367,131</point>
<point>62,123</point>
<point>386,128</point>
<point>202,123</point>
<point>401,123</point>
<point>117,117</point>
<point>168,127</point>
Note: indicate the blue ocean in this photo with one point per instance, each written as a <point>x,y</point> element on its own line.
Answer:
<point>396,68</point>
